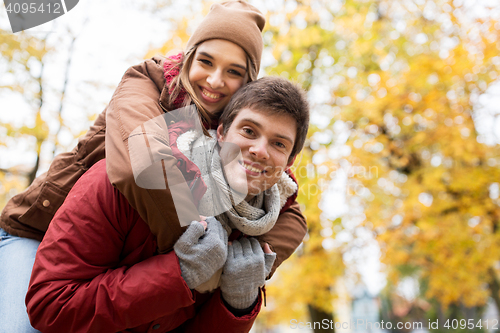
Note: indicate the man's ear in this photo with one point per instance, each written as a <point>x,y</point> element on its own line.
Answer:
<point>220,132</point>
<point>291,162</point>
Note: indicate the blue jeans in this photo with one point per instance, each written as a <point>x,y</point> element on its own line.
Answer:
<point>17,255</point>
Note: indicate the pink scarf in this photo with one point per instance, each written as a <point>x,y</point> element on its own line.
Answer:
<point>170,70</point>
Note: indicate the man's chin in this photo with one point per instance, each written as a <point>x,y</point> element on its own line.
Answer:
<point>254,191</point>
<point>239,189</point>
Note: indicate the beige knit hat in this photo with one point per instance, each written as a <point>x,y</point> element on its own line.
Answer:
<point>237,22</point>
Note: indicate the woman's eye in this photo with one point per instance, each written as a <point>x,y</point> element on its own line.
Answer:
<point>232,71</point>
<point>205,61</point>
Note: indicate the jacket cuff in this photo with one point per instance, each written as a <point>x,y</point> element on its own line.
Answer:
<point>246,313</point>
<point>240,312</point>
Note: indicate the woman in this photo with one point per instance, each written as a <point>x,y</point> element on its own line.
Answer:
<point>223,54</point>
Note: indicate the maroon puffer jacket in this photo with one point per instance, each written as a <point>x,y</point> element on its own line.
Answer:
<point>97,270</point>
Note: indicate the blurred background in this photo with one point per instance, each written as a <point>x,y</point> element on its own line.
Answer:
<point>399,179</point>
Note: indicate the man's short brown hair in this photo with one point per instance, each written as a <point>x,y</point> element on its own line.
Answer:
<point>274,95</point>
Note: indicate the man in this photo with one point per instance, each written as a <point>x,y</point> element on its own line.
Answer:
<point>97,269</point>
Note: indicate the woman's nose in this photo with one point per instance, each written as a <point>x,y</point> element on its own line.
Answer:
<point>215,80</point>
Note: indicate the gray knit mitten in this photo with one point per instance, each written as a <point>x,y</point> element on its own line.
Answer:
<point>201,253</point>
<point>244,272</point>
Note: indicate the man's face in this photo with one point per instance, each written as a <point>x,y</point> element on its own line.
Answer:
<point>255,150</point>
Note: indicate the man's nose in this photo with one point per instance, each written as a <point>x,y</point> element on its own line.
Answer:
<point>259,149</point>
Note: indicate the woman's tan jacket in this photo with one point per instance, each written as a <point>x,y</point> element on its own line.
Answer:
<point>138,98</point>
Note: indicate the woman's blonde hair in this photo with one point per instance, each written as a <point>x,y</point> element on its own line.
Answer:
<point>181,81</point>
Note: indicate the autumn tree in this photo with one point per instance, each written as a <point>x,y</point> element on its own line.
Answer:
<point>26,87</point>
<point>22,70</point>
<point>419,73</point>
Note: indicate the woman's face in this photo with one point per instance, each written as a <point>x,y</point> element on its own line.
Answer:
<point>218,70</point>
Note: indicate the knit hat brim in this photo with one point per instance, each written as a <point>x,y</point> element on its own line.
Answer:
<point>237,22</point>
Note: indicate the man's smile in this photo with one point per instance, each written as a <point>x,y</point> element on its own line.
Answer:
<point>251,168</point>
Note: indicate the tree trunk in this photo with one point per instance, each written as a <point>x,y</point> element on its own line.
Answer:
<point>32,174</point>
<point>322,319</point>
<point>494,286</point>
<point>440,315</point>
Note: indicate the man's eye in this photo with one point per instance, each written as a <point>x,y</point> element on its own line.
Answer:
<point>248,131</point>
<point>281,145</point>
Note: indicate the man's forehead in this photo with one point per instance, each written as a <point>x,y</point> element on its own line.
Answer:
<point>271,120</point>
